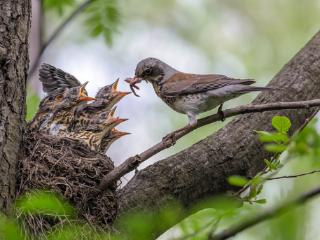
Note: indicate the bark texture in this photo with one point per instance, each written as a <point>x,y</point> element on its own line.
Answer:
<point>14,29</point>
<point>202,169</point>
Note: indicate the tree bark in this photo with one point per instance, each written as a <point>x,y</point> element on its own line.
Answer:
<point>14,30</point>
<point>202,169</point>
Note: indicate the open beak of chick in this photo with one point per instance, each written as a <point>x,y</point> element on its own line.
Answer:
<point>83,94</point>
<point>118,134</point>
<point>118,94</point>
<point>114,121</point>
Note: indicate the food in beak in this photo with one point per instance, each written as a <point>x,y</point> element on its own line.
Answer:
<point>132,82</point>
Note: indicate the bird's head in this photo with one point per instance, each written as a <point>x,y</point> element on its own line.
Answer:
<point>153,70</point>
<point>72,97</point>
<point>111,93</point>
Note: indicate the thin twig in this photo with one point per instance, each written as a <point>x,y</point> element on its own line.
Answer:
<point>56,33</point>
<point>273,212</point>
<point>294,176</point>
<point>133,162</point>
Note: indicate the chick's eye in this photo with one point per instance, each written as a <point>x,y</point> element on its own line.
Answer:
<point>148,71</point>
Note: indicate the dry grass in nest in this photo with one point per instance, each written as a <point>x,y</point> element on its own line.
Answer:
<point>71,170</point>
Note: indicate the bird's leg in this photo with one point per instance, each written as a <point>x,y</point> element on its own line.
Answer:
<point>173,136</point>
<point>220,112</point>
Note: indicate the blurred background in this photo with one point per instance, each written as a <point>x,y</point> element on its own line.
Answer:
<point>245,39</point>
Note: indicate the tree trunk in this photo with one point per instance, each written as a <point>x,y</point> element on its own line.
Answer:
<point>14,30</point>
<point>202,169</point>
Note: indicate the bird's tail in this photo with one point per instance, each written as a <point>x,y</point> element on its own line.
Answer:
<point>248,89</point>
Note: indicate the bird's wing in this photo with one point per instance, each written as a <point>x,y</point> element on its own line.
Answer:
<point>54,79</point>
<point>185,83</point>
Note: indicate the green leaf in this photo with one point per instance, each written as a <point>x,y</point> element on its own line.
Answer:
<point>271,165</point>
<point>42,202</point>
<point>238,181</point>
<point>58,5</point>
<point>275,148</point>
<point>261,201</point>
<point>277,137</point>
<point>33,101</point>
<point>9,229</point>
<point>281,123</point>
<point>103,18</point>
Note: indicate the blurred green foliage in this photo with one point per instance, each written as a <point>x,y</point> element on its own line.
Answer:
<point>58,5</point>
<point>33,101</point>
<point>41,202</point>
<point>103,18</point>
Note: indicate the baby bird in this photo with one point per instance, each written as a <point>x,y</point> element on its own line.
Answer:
<point>106,98</point>
<point>93,139</point>
<point>111,138</point>
<point>63,112</point>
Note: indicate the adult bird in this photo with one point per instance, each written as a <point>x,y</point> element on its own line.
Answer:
<point>188,93</point>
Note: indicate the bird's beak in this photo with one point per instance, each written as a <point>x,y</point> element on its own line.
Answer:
<point>115,86</point>
<point>118,134</point>
<point>111,113</point>
<point>112,122</point>
<point>83,87</point>
<point>120,120</point>
<point>118,93</point>
<point>83,96</point>
<point>122,94</point>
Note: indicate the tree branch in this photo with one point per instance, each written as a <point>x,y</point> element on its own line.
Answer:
<point>293,176</point>
<point>133,162</point>
<point>283,208</point>
<point>202,169</point>
<point>56,33</point>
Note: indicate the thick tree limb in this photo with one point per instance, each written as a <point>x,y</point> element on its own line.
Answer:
<point>133,162</point>
<point>203,168</point>
<point>14,31</point>
<point>56,33</point>
<point>266,215</point>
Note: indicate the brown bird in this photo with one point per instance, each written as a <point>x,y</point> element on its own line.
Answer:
<point>93,139</point>
<point>63,112</point>
<point>55,80</point>
<point>46,107</point>
<point>188,93</point>
<point>111,138</point>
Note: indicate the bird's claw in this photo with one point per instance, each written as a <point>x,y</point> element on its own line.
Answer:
<point>221,113</point>
<point>132,82</point>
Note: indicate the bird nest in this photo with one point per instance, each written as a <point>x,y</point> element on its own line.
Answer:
<point>70,170</point>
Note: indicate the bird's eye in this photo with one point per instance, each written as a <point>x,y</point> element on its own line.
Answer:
<point>148,71</point>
